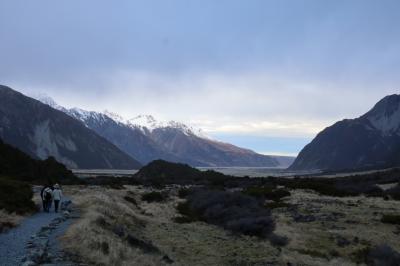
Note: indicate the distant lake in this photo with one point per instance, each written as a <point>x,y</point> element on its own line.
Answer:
<point>234,171</point>
<point>254,171</point>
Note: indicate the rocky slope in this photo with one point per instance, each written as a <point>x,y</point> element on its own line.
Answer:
<point>370,141</point>
<point>42,131</point>
<point>146,139</point>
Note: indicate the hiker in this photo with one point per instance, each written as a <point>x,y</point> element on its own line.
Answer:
<point>57,194</point>
<point>42,197</point>
<point>47,196</point>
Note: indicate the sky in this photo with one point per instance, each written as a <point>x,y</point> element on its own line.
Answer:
<point>263,74</point>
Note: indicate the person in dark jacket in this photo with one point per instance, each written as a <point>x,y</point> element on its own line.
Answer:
<point>43,198</point>
<point>47,197</point>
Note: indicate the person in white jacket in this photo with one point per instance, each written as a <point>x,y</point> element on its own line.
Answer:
<point>57,195</point>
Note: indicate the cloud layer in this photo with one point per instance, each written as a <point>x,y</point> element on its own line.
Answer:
<point>237,68</point>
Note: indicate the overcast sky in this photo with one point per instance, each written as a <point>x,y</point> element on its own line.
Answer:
<point>267,75</point>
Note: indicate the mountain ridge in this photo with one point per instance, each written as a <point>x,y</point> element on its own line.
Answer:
<point>146,139</point>
<point>42,131</point>
<point>369,141</point>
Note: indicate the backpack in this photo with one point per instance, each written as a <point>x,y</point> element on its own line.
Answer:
<point>47,195</point>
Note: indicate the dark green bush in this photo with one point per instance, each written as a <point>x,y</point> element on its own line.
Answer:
<point>183,193</point>
<point>153,197</point>
<point>131,200</point>
<point>390,219</point>
<point>14,163</point>
<point>394,192</point>
<point>16,196</point>
<point>277,204</point>
<point>267,192</point>
<point>233,211</point>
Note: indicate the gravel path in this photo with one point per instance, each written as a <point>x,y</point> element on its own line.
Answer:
<point>13,242</point>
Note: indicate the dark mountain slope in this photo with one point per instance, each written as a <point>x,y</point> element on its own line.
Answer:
<point>370,141</point>
<point>41,131</point>
<point>17,165</point>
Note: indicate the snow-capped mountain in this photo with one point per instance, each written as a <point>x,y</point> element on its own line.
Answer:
<point>146,138</point>
<point>41,131</point>
<point>149,123</point>
<point>385,116</point>
<point>370,141</point>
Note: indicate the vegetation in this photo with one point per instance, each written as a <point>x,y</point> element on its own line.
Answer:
<point>267,192</point>
<point>18,165</point>
<point>379,255</point>
<point>183,192</point>
<point>153,196</point>
<point>16,196</point>
<point>233,211</point>
<point>390,219</point>
<point>394,192</point>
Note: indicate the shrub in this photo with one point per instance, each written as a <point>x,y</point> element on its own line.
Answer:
<point>183,220</point>
<point>131,200</point>
<point>394,192</point>
<point>335,187</point>
<point>153,197</point>
<point>390,219</point>
<point>279,241</point>
<point>277,204</point>
<point>267,192</point>
<point>383,255</point>
<point>183,193</point>
<point>233,211</point>
<point>16,196</point>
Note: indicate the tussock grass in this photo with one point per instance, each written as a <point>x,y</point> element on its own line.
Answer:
<point>106,230</point>
<point>9,220</point>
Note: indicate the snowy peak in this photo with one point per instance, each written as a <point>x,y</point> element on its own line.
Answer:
<point>44,98</point>
<point>148,122</point>
<point>144,121</point>
<point>114,116</point>
<point>385,116</point>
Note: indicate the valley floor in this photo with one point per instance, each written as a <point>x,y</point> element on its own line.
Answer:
<point>118,228</point>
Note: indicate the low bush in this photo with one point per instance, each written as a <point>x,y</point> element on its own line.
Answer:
<point>277,204</point>
<point>153,197</point>
<point>394,192</point>
<point>383,255</point>
<point>183,193</point>
<point>267,192</point>
<point>233,211</point>
<point>183,220</point>
<point>390,219</point>
<point>131,200</point>
<point>335,187</point>
<point>16,196</point>
<point>279,241</point>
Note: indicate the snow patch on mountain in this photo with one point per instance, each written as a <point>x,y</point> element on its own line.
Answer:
<point>146,123</point>
<point>44,98</point>
<point>385,116</point>
<point>387,124</point>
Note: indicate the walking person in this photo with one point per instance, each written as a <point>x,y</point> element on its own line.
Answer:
<point>47,196</point>
<point>57,195</point>
<point>42,197</point>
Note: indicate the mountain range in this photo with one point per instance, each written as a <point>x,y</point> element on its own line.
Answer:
<point>146,139</point>
<point>371,141</point>
<point>42,131</point>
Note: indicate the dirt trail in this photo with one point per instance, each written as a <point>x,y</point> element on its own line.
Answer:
<point>30,240</point>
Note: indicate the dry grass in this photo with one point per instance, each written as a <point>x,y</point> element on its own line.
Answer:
<point>9,220</point>
<point>198,243</point>
<point>94,241</point>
